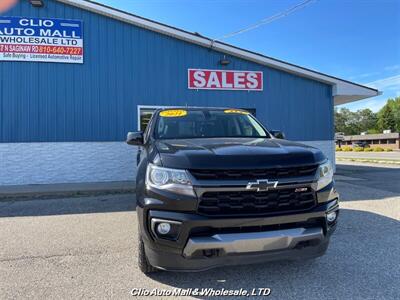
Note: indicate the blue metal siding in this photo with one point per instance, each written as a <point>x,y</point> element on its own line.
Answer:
<point>125,66</point>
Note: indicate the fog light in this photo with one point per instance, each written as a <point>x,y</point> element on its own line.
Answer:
<point>331,217</point>
<point>163,228</point>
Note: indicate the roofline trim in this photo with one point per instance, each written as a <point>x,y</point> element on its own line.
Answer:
<point>360,91</point>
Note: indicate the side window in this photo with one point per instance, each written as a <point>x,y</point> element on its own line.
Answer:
<point>161,127</point>
<point>147,130</point>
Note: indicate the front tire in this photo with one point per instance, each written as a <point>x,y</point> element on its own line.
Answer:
<point>143,263</point>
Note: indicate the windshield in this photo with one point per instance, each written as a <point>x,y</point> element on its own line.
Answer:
<point>182,124</point>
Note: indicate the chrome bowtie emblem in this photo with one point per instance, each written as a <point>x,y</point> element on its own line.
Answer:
<point>262,185</point>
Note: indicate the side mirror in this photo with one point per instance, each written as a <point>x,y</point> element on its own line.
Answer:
<point>278,134</point>
<point>134,138</point>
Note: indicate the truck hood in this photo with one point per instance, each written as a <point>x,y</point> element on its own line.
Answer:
<point>235,153</point>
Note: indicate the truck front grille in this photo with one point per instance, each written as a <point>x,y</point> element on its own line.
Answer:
<point>275,173</point>
<point>257,203</point>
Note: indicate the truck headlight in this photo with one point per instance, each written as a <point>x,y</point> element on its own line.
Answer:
<point>324,175</point>
<point>173,180</point>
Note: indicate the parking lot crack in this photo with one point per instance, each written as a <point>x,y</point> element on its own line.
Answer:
<point>32,257</point>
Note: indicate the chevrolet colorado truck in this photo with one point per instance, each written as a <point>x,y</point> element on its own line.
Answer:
<point>214,187</point>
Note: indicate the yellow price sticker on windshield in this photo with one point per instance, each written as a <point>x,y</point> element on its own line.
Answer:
<point>236,111</point>
<point>173,113</point>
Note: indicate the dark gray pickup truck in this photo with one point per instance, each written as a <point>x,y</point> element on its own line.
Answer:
<point>215,188</point>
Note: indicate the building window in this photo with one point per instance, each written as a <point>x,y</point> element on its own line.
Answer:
<point>392,141</point>
<point>145,116</point>
<point>383,142</point>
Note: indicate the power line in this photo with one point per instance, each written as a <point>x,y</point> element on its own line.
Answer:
<point>268,20</point>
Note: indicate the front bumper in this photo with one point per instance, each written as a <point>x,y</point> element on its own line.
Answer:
<point>175,262</point>
<point>251,242</point>
<point>205,242</point>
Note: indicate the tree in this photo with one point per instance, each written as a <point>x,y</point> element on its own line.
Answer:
<point>351,123</point>
<point>367,119</point>
<point>340,120</point>
<point>395,106</point>
<point>386,119</point>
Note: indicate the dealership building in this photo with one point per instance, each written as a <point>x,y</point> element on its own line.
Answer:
<point>76,76</point>
<point>389,140</point>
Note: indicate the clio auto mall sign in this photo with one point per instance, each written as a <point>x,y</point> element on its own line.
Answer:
<point>225,80</point>
<point>41,39</point>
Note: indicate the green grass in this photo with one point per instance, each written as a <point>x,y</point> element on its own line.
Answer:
<point>369,160</point>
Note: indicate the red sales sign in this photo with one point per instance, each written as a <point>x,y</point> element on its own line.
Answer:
<point>225,80</point>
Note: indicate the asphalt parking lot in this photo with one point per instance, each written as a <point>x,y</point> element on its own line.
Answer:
<point>86,248</point>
